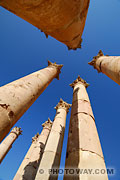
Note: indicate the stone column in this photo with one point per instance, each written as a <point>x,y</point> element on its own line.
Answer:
<point>52,153</point>
<point>6,145</point>
<point>16,97</point>
<point>29,166</point>
<point>63,20</point>
<point>83,149</point>
<point>109,65</point>
<point>20,172</point>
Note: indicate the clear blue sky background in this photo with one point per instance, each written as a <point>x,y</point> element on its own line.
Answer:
<point>24,49</point>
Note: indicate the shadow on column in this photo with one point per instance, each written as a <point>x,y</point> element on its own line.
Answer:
<point>73,146</point>
<point>56,163</point>
<point>30,170</point>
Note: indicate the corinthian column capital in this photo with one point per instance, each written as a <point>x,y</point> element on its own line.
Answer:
<point>95,58</point>
<point>58,67</point>
<point>64,105</point>
<point>79,80</point>
<point>35,138</point>
<point>16,130</point>
<point>47,124</point>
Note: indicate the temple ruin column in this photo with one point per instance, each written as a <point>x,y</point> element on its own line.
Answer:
<point>83,150</point>
<point>29,166</point>
<point>16,97</point>
<point>21,170</point>
<point>6,144</point>
<point>109,65</point>
<point>52,153</point>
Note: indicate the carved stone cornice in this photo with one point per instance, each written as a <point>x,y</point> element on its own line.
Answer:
<point>16,130</point>
<point>58,67</point>
<point>93,62</point>
<point>35,138</point>
<point>47,124</point>
<point>79,80</point>
<point>78,46</point>
<point>63,104</point>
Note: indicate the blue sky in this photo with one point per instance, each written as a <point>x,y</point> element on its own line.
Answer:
<point>24,49</point>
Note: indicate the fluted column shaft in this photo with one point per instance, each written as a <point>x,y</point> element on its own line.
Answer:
<point>18,96</point>
<point>83,149</point>
<point>52,153</point>
<point>109,65</point>
<point>29,166</point>
<point>6,145</point>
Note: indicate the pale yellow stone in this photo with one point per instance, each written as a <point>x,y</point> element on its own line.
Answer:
<point>6,145</point>
<point>83,134</point>
<point>29,166</point>
<point>91,165</point>
<point>81,96</point>
<point>17,96</point>
<point>52,153</point>
<point>109,65</point>
<point>83,148</point>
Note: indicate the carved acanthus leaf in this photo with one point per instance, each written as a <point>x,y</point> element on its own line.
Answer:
<point>35,138</point>
<point>93,62</point>
<point>47,124</point>
<point>63,104</point>
<point>58,67</point>
<point>16,130</point>
<point>79,80</point>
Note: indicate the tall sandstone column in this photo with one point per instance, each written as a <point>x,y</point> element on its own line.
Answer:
<point>52,153</point>
<point>109,65</point>
<point>83,149</point>
<point>63,20</point>
<point>29,166</point>
<point>6,145</point>
<point>16,97</point>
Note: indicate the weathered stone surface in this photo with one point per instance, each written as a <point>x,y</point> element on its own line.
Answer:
<point>83,148</point>
<point>79,80</point>
<point>29,166</point>
<point>63,20</point>
<point>109,65</point>
<point>90,164</point>
<point>63,105</point>
<point>81,106</point>
<point>6,145</point>
<point>52,153</point>
<point>17,96</point>
<point>81,96</point>
<point>21,171</point>
<point>84,129</point>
